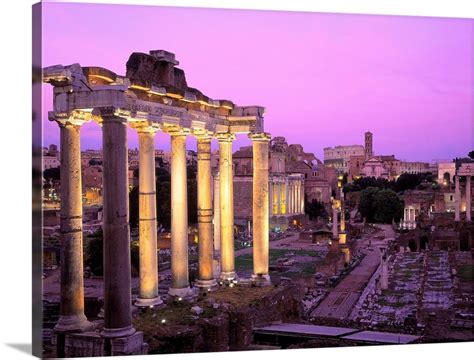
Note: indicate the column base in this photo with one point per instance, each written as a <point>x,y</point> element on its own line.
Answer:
<point>261,280</point>
<point>181,294</point>
<point>141,302</point>
<point>228,276</point>
<point>207,285</point>
<point>76,323</point>
<point>91,344</point>
<point>118,332</point>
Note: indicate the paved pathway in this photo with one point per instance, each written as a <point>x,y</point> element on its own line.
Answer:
<point>342,298</point>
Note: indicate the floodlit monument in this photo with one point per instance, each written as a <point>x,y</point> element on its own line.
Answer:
<point>152,97</point>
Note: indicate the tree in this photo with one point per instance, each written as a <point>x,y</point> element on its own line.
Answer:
<point>163,198</point>
<point>388,206</point>
<point>366,203</point>
<point>52,174</point>
<point>94,258</point>
<point>314,209</point>
<point>380,205</point>
<point>95,253</point>
<point>407,182</point>
<point>471,154</point>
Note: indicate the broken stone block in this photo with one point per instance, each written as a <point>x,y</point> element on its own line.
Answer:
<point>197,310</point>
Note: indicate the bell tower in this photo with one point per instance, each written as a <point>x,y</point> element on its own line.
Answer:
<point>368,145</point>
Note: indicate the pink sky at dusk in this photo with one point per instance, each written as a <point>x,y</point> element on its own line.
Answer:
<point>324,79</point>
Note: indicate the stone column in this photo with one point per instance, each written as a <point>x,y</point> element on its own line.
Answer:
<point>147,221</point>
<point>226,198</point>
<point>298,197</point>
<point>335,233</point>
<point>217,219</point>
<point>457,199</point>
<point>270,195</point>
<point>117,278</point>
<point>302,198</point>
<point>260,208</point>
<point>284,198</point>
<point>71,314</point>
<point>293,198</point>
<point>288,198</point>
<point>278,197</point>
<point>206,254</point>
<point>468,198</point>
<point>179,216</point>
<point>343,215</point>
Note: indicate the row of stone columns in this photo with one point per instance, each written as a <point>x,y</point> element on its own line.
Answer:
<point>457,199</point>
<point>117,279</point>
<point>286,198</point>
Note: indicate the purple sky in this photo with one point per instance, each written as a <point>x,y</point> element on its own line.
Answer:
<point>324,79</point>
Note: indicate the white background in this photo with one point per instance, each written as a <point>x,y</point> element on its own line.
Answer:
<point>15,176</point>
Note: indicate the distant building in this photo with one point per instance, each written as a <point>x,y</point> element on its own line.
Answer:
<point>446,172</point>
<point>391,164</point>
<point>374,167</point>
<point>293,176</point>
<point>50,157</point>
<point>356,164</point>
<point>339,156</point>
<point>414,167</point>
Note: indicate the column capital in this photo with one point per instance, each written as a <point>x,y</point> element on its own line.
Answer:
<point>145,126</point>
<point>202,135</point>
<point>72,118</point>
<point>176,130</point>
<point>260,136</point>
<point>225,137</point>
<point>110,115</point>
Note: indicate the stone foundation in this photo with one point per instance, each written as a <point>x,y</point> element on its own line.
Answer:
<point>91,344</point>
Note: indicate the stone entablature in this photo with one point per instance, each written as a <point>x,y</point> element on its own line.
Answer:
<point>146,96</point>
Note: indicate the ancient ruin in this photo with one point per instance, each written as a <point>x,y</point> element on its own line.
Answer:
<point>152,96</point>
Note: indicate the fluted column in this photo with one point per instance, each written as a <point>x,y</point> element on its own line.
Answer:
<point>260,208</point>
<point>284,198</point>
<point>226,202</point>
<point>147,221</point>
<point>292,198</point>
<point>204,198</point>
<point>117,278</point>
<point>302,198</point>
<point>179,216</point>
<point>457,199</point>
<point>71,316</point>
<point>468,198</point>
<point>297,198</point>
<point>278,197</point>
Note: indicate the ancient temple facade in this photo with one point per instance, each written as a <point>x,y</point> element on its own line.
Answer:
<point>152,97</point>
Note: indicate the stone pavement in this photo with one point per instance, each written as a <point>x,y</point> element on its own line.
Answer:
<point>340,301</point>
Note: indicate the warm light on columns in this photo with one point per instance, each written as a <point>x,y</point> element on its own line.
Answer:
<point>260,206</point>
<point>117,277</point>
<point>147,222</point>
<point>204,194</point>
<point>226,202</point>
<point>72,316</point>
<point>179,215</point>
